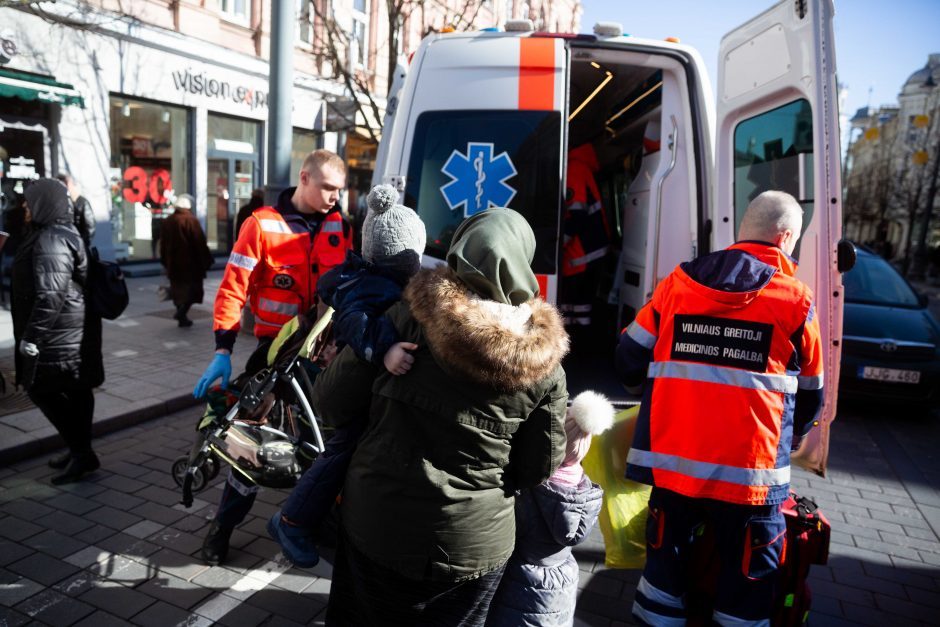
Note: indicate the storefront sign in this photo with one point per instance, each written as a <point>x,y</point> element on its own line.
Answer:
<point>201,85</point>
<point>7,47</point>
<point>139,184</point>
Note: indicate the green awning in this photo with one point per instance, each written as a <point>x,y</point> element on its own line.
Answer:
<point>26,86</point>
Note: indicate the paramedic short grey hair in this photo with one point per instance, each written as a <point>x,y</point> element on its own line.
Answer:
<point>769,215</point>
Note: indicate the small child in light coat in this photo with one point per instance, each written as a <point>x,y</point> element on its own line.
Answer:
<point>360,291</point>
<point>539,587</point>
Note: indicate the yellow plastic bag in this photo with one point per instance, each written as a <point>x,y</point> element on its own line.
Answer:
<point>623,515</point>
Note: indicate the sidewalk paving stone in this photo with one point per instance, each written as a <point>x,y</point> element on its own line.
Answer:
<point>69,554</point>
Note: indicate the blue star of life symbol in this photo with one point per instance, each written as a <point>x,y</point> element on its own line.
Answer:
<point>479,179</point>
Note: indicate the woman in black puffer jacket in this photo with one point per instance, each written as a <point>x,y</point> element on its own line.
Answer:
<point>54,360</point>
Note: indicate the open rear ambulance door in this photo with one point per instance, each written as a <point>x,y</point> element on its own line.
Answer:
<point>777,128</point>
<point>480,124</point>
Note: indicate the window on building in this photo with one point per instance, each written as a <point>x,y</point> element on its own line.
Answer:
<point>305,20</point>
<point>150,164</point>
<point>236,10</point>
<point>360,21</point>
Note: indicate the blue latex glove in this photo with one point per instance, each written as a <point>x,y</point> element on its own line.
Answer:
<point>221,366</point>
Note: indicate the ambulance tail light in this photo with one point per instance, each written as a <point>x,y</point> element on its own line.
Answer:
<point>519,26</point>
<point>608,29</point>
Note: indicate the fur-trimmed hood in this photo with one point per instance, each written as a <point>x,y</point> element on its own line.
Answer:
<point>507,347</point>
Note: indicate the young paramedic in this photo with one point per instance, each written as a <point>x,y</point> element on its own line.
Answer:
<point>280,253</point>
<point>729,350</point>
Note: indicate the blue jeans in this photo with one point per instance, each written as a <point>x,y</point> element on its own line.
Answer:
<point>749,541</point>
<point>314,495</point>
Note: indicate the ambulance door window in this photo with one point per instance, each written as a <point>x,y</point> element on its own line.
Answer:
<point>774,150</point>
<point>464,162</point>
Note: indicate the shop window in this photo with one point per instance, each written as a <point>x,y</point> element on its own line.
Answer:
<point>150,164</point>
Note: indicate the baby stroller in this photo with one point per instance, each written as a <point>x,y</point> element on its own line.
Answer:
<point>267,432</point>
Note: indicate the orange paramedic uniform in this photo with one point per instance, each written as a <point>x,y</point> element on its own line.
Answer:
<point>274,266</point>
<point>730,350</point>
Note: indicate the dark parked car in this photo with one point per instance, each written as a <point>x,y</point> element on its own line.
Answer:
<point>890,341</point>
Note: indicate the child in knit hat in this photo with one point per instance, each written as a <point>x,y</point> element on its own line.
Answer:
<point>540,583</point>
<point>360,291</point>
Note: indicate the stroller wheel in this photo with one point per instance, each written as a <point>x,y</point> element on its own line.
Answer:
<point>181,465</point>
<point>178,470</point>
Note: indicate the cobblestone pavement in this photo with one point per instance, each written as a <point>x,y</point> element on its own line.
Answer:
<point>151,366</point>
<point>118,549</point>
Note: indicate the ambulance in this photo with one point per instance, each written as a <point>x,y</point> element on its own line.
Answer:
<point>489,119</point>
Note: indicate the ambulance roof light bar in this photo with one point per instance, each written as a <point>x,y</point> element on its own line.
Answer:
<point>519,26</point>
<point>608,29</point>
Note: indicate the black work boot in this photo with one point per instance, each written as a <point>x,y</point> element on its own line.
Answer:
<point>60,461</point>
<point>215,546</point>
<point>79,465</point>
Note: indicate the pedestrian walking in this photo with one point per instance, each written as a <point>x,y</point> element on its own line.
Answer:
<point>280,253</point>
<point>255,202</point>
<point>56,362</point>
<point>540,585</point>
<point>729,355</point>
<point>427,521</point>
<point>360,291</point>
<point>82,214</point>
<point>185,256</point>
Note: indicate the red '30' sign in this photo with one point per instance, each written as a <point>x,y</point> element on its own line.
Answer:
<point>138,184</point>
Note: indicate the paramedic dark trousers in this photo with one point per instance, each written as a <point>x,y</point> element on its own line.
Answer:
<point>749,542</point>
<point>239,493</point>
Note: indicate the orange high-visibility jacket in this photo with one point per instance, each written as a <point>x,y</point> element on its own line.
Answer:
<point>731,352</point>
<point>274,265</point>
<point>586,236</point>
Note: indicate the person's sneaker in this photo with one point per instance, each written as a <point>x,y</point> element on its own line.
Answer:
<point>77,467</point>
<point>296,542</point>
<point>185,322</point>
<point>215,546</point>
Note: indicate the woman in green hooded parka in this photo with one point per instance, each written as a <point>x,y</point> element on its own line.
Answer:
<point>427,520</point>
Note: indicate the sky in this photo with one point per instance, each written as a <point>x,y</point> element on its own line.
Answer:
<point>878,44</point>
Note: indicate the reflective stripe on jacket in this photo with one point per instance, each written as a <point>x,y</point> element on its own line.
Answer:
<point>731,351</point>
<point>274,266</point>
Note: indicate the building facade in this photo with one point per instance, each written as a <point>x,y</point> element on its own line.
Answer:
<point>141,101</point>
<point>891,199</point>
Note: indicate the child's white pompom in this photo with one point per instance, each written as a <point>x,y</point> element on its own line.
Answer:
<point>382,198</point>
<point>592,412</point>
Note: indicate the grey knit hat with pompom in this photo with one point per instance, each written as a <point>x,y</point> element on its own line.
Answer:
<point>393,235</point>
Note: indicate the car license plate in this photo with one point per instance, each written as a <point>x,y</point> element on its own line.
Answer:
<point>894,375</point>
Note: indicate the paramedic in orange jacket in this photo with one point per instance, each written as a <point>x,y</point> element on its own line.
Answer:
<point>280,253</point>
<point>586,238</point>
<point>729,353</point>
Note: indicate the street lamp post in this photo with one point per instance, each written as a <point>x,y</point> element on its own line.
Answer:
<point>280,104</point>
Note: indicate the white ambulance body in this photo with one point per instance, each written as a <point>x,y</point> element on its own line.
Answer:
<point>486,119</point>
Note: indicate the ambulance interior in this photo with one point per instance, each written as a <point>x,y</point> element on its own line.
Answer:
<point>616,108</point>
